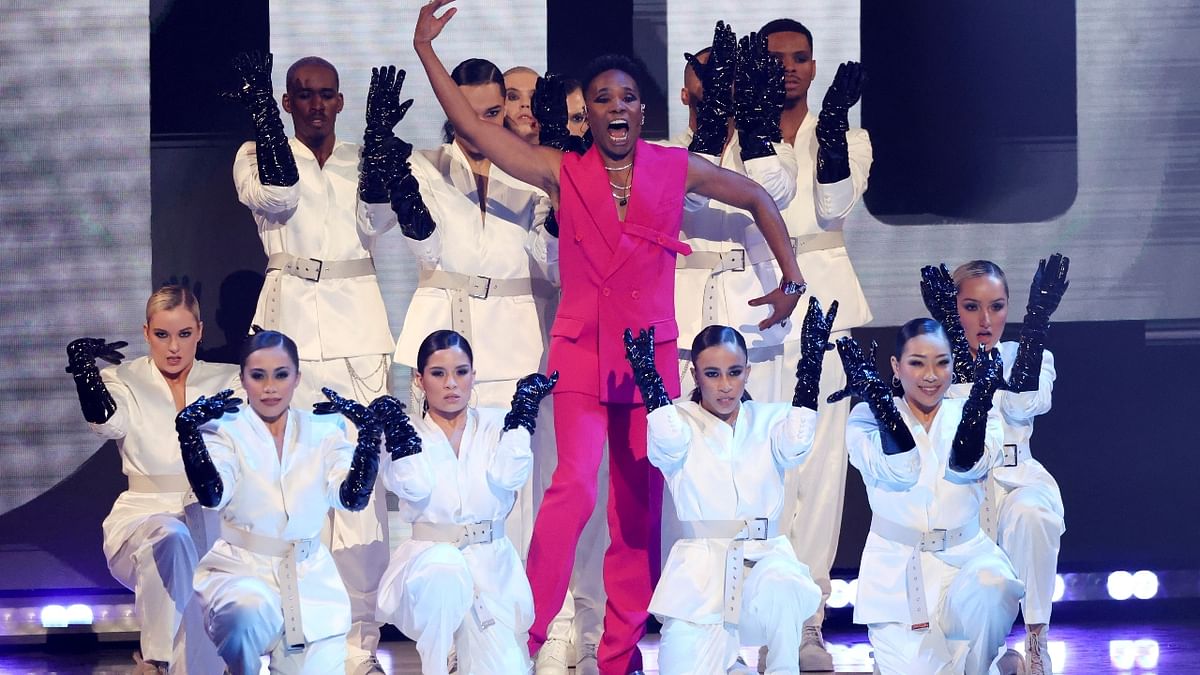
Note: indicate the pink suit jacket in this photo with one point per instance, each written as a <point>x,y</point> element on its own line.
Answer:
<point>617,274</point>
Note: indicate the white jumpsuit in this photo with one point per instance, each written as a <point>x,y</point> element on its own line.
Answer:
<point>967,586</point>
<point>716,472</point>
<point>441,593</point>
<point>281,502</point>
<point>156,532</point>
<point>1023,507</point>
<point>338,322</point>
<point>815,215</point>
<point>486,274</point>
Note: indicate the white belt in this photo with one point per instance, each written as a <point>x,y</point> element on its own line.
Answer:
<point>738,259</point>
<point>311,269</point>
<point>464,286</point>
<point>989,515</point>
<point>174,482</point>
<point>292,551</point>
<point>934,541</point>
<point>462,536</point>
<point>739,532</point>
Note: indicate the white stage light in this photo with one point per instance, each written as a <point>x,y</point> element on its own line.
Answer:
<point>1145,585</point>
<point>79,615</point>
<point>1060,587</point>
<point>54,616</point>
<point>839,594</point>
<point>1120,585</point>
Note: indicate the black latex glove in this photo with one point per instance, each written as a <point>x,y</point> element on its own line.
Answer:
<point>412,214</point>
<point>96,403</point>
<point>531,389</point>
<point>863,381</point>
<point>714,111</point>
<point>355,491</point>
<point>402,439</point>
<point>639,352</point>
<point>550,109</point>
<point>972,428</point>
<point>1046,291</point>
<point>381,149</point>
<point>941,299</point>
<point>814,342</point>
<point>276,164</point>
<point>201,473</point>
<point>758,98</point>
<point>833,155</point>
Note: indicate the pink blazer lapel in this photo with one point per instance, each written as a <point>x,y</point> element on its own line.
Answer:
<point>590,182</point>
<point>641,214</point>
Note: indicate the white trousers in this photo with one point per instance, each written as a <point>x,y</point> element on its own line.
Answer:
<point>775,604</point>
<point>245,621</point>
<point>358,540</point>
<point>157,562</point>
<point>975,608</point>
<point>815,491</point>
<point>436,610</point>
<point>1029,530</point>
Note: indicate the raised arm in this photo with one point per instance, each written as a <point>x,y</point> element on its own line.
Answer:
<point>728,187</point>
<point>533,164</point>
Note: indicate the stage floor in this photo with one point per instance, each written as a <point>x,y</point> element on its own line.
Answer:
<point>1161,647</point>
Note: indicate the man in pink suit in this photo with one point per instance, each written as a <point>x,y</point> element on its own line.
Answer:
<point>617,245</point>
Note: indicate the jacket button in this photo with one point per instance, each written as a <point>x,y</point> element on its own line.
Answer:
<point>635,295</point>
<point>607,291</point>
<point>662,239</point>
<point>578,237</point>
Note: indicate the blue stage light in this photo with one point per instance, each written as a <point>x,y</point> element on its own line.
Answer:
<point>1120,585</point>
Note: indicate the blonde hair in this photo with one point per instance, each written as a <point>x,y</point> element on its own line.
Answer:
<point>171,296</point>
<point>978,268</point>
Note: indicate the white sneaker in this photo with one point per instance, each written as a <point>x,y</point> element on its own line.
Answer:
<point>452,660</point>
<point>1011,663</point>
<point>1037,654</point>
<point>369,666</point>
<point>552,658</point>
<point>814,657</point>
<point>587,664</point>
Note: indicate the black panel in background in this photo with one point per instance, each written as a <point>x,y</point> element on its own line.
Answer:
<point>577,32</point>
<point>971,109</point>
<point>192,43</point>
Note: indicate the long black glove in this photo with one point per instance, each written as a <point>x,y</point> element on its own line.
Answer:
<point>713,112</point>
<point>1046,291</point>
<point>814,342</point>
<point>758,98</point>
<point>201,473</point>
<point>94,400</point>
<point>972,428</point>
<point>862,380</point>
<point>276,164</point>
<point>402,439</point>
<point>941,299</point>
<point>531,389</point>
<point>381,148</point>
<point>411,212</point>
<point>639,352</point>
<point>356,489</point>
<point>550,109</point>
<point>833,154</point>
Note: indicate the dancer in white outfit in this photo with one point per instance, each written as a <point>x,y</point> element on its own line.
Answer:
<point>269,585</point>
<point>1023,508</point>
<point>312,205</point>
<point>724,459</point>
<point>459,580</point>
<point>937,595</point>
<point>155,532</point>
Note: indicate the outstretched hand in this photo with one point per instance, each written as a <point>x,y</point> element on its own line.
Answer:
<point>862,378</point>
<point>254,70</point>
<point>86,350</point>
<point>429,25</point>
<point>205,409</point>
<point>383,98</point>
<point>846,89</point>
<point>639,351</point>
<point>356,412</point>
<point>782,306</point>
<point>1049,284</point>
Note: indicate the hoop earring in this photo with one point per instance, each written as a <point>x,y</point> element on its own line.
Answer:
<point>897,387</point>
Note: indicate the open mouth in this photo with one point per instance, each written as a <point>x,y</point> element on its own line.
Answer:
<point>618,130</point>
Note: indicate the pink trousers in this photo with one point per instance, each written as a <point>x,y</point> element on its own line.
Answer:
<point>635,490</point>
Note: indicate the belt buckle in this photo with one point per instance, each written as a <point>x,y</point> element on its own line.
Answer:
<point>479,533</point>
<point>1012,455</point>
<point>934,541</point>
<point>308,268</point>
<point>755,525</point>
<point>474,284</point>
<point>738,255</point>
